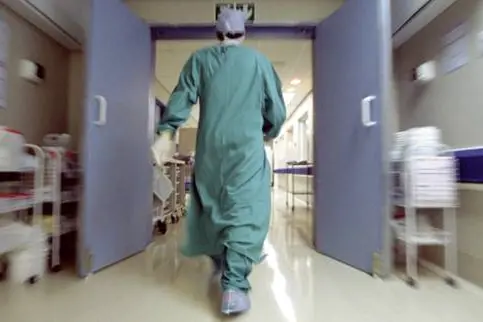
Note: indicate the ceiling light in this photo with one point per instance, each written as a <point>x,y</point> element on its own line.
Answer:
<point>295,82</point>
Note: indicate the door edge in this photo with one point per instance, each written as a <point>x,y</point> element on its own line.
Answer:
<point>388,107</point>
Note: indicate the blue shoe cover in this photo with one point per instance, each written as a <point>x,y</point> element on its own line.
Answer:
<point>235,302</point>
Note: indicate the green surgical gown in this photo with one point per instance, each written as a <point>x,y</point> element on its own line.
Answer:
<point>241,104</point>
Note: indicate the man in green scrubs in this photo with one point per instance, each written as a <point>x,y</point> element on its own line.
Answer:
<point>241,104</point>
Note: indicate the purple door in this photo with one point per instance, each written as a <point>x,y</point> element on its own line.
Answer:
<point>116,214</point>
<point>350,86</point>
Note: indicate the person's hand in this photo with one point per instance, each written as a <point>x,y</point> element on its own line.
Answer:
<point>161,148</point>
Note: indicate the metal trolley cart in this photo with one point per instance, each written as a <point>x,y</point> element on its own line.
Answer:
<point>188,176</point>
<point>181,188</point>
<point>170,208</point>
<point>301,168</point>
<point>162,190</point>
<point>423,184</point>
<point>61,187</point>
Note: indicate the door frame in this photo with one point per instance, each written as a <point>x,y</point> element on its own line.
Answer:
<point>387,111</point>
<point>160,32</point>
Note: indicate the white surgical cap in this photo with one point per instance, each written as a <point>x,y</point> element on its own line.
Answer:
<point>231,21</point>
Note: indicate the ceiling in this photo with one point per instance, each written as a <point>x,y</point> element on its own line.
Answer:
<point>291,58</point>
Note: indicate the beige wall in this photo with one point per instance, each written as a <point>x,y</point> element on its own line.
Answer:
<point>470,236</point>
<point>266,11</point>
<point>187,140</point>
<point>452,102</point>
<point>35,110</point>
<point>76,98</point>
<point>160,92</point>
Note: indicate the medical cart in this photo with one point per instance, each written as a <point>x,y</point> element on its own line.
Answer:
<point>298,169</point>
<point>170,200</point>
<point>423,187</point>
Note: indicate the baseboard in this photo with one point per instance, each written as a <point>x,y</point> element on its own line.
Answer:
<point>462,283</point>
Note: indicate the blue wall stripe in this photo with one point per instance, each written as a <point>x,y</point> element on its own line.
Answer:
<point>207,31</point>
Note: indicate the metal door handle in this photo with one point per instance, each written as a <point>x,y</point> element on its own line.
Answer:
<point>366,111</point>
<point>102,104</point>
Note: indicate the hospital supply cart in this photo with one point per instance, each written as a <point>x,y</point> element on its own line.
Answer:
<point>170,208</point>
<point>21,235</point>
<point>61,187</point>
<point>162,190</point>
<point>301,169</point>
<point>423,187</point>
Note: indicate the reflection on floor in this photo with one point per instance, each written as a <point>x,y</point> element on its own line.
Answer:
<point>294,284</point>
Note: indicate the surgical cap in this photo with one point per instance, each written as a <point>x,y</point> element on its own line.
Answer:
<point>231,21</point>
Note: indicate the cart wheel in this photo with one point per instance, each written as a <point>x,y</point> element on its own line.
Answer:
<point>174,219</point>
<point>56,269</point>
<point>161,227</point>
<point>450,281</point>
<point>411,282</point>
<point>33,280</point>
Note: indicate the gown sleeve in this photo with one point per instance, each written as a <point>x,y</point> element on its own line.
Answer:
<point>274,109</point>
<point>184,96</point>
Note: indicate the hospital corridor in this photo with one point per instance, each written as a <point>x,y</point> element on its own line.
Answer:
<point>267,160</point>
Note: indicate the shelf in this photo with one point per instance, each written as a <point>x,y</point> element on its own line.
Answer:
<point>15,202</point>
<point>19,170</point>
<point>428,236</point>
<point>426,240</point>
<point>425,205</point>
<point>66,196</point>
<point>14,235</point>
<point>67,225</point>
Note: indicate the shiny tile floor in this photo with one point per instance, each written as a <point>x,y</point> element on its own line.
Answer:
<point>294,284</point>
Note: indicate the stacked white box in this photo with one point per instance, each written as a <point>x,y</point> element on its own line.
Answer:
<point>432,182</point>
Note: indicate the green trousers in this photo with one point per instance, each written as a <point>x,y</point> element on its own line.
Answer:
<point>235,269</point>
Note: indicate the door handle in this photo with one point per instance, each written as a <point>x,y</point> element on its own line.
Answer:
<point>366,111</point>
<point>102,105</point>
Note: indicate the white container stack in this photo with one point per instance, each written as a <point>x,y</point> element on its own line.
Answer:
<point>433,181</point>
<point>421,141</point>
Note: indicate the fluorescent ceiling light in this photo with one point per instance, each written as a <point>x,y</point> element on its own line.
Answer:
<point>288,97</point>
<point>295,82</point>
